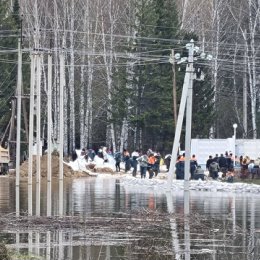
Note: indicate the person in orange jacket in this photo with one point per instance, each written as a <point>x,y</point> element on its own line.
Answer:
<point>151,162</point>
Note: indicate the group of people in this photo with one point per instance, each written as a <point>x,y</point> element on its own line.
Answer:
<point>249,167</point>
<point>196,172</point>
<point>148,162</point>
<point>224,164</point>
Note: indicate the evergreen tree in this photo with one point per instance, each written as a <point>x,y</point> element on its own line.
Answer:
<point>149,87</point>
<point>154,78</point>
<point>8,61</point>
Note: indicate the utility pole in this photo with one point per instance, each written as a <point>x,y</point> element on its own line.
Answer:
<point>62,85</point>
<point>49,172</point>
<point>178,127</point>
<point>31,127</point>
<point>186,98</point>
<point>38,134</point>
<point>189,118</point>
<point>174,90</point>
<point>18,125</point>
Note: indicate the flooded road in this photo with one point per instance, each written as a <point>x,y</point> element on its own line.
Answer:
<point>105,220</point>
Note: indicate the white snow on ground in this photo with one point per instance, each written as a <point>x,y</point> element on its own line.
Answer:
<point>209,185</point>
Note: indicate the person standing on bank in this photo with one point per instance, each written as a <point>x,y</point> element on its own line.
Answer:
<point>135,155</point>
<point>126,158</point>
<point>118,158</point>
<point>143,161</point>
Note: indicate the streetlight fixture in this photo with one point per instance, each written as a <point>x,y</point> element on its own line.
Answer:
<point>235,131</point>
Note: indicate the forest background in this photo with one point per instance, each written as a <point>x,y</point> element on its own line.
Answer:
<point>118,78</point>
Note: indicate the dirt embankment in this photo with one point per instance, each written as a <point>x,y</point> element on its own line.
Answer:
<point>68,172</point>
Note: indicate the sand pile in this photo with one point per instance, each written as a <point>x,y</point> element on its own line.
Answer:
<point>67,170</point>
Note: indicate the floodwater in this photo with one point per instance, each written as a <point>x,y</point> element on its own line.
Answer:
<point>128,223</point>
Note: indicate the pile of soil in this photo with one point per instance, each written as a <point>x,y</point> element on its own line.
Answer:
<point>67,171</point>
<point>94,168</point>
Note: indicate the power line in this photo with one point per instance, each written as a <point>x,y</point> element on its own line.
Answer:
<point>134,26</point>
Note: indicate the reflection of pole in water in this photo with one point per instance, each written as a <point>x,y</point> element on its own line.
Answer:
<point>88,253</point>
<point>17,241</point>
<point>244,226</point>
<point>70,249</point>
<point>233,213</point>
<point>48,245</point>
<point>251,242</point>
<point>61,253</point>
<point>30,238</point>
<point>173,224</point>
<point>108,252</point>
<point>37,244</point>
<point>187,224</point>
<point>233,209</point>
<point>186,203</point>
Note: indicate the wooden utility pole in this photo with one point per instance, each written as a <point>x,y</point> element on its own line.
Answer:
<point>174,89</point>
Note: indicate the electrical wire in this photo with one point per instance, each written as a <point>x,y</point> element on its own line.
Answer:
<point>231,32</point>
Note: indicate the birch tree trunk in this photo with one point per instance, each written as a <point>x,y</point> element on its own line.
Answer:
<point>72,81</point>
<point>108,61</point>
<point>252,28</point>
<point>215,66</point>
<point>82,110</point>
<point>56,81</point>
<point>184,11</point>
<point>65,94</point>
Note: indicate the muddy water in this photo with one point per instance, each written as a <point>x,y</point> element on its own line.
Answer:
<point>132,224</point>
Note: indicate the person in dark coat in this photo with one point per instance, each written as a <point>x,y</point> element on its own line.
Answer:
<point>74,156</point>
<point>167,161</point>
<point>179,169</point>
<point>118,158</point>
<point>209,161</point>
<point>134,162</point>
<point>213,170</point>
<point>126,158</point>
<point>222,162</point>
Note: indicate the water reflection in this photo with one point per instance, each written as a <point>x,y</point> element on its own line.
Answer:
<point>187,224</point>
<point>175,225</point>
